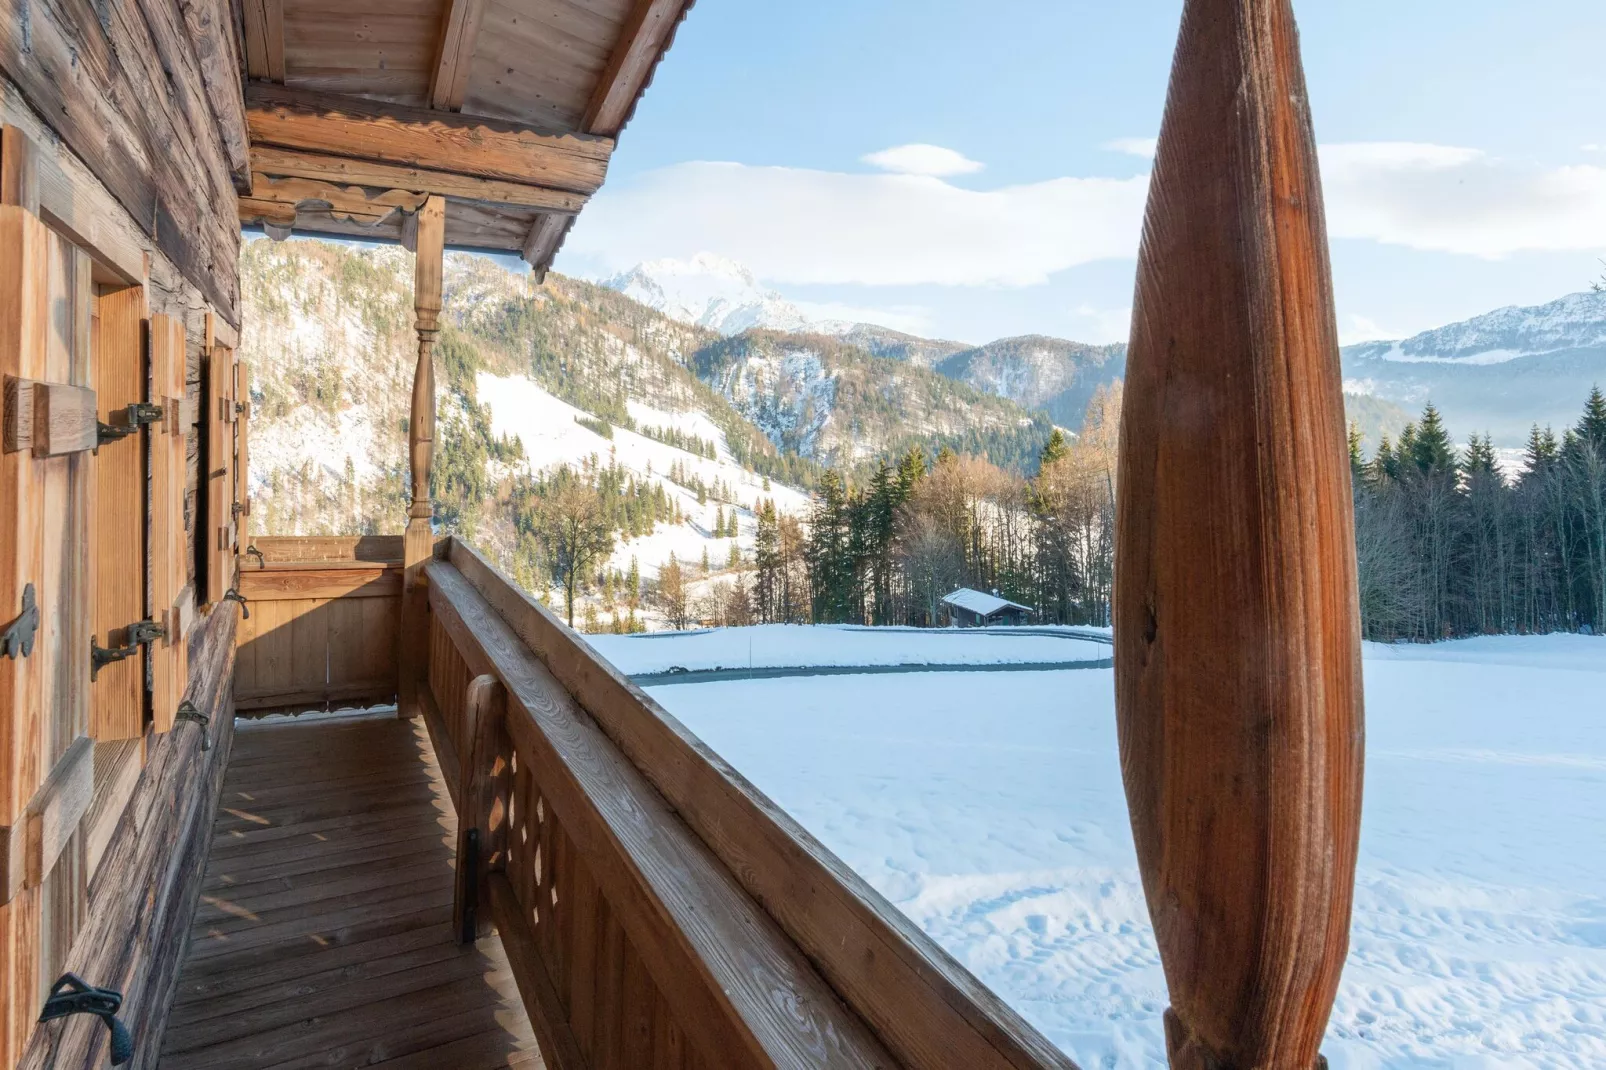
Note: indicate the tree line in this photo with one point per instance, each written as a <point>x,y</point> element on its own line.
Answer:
<point>888,549</point>
<point>1449,545</point>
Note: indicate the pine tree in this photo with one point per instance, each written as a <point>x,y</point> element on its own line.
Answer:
<point>1431,447</point>
<point>1592,426</point>
<point>705,559</point>
<point>1054,448</point>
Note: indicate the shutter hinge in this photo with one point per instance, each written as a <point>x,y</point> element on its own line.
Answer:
<point>71,994</point>
<point>139,633</point>
<point>17,638</point>
<point>133,418</point>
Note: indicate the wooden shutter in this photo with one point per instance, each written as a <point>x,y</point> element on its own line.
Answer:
<point>219,476</point>
<point>118,691</point>
<point>242,455</point>
<point>171,601</point>
<point>46,496</point>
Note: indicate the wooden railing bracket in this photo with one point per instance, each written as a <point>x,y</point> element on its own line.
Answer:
<point>17,639</point>
<point>71,994</point>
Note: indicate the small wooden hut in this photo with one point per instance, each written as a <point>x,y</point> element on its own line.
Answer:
<point>535,865</point>
<point>978,609</point>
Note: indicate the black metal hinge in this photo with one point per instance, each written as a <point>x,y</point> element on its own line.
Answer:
<point>17,638</point>
<point>133,418</point>
<point>139,633</point>
<point>187,712</point>
<point>232,595</point>
<point>71,994</point>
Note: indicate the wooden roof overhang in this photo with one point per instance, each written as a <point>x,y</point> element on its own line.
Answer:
<point>356,112</point>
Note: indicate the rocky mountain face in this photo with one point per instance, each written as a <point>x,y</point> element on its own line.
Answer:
<point>1501,372</point>
<point>709,291</point>
<point>1038,372</point>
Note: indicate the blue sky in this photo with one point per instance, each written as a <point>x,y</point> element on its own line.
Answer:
<point>1464,151</point>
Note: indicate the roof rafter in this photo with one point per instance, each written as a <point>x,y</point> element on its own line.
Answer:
<point>454,56</point>
<point>645,36</point>
<point>264,39</point>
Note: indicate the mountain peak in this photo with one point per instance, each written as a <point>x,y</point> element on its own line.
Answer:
<point>709,291</point>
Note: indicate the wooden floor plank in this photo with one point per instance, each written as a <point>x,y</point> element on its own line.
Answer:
<point>323,936</point>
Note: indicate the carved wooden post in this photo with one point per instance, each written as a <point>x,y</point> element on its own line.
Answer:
<point>419,541</point>
<point>487,781</point>
<point>1237,645</point>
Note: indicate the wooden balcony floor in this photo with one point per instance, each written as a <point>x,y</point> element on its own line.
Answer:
<point>323,935</point>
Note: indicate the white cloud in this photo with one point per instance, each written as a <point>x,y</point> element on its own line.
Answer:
<point>910,319</point>
<point>791,225</point>
<point>933,161</point>
<point>1458,200</point>
<point>1363,329</point>
<point>1133,146</point>
<point>797,226</point>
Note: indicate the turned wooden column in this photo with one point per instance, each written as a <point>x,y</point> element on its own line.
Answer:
<point>1237,645</point>
<point>419,541</point>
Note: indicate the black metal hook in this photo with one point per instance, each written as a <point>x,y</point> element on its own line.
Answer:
<point>71,994</point>
<point>187,712</point>
<point>231,595</point>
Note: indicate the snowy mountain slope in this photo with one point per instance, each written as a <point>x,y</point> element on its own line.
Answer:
<point>1038,372</point>
<point>838,405</point>
<point>709,291</point>
<point>1500,372</point>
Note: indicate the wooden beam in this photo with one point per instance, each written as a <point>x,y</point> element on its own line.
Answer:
<point>353,202</point>
<point>546,235</point>
<point>48,418</point>
<point>454,58</point>
<point>1237,638</point>
<point>344,171</point>
<point>211,29</point>
<point>434,140</point>
<point>645,37</point>
<point>264,39</point>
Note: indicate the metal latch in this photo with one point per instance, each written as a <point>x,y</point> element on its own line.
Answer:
<point>187,712</point>
<point>135,416</point>
<point>231,595</point>
<point>17,638</point>
<point>71,994</point>
<point>139,633</point>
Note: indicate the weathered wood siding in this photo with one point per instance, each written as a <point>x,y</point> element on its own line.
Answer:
<point>322,630</point>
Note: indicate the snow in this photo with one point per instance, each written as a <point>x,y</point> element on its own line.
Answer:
<point>769,646</point>
<point>989,808</point>
<point>709,291</point>
<point>547,427</point>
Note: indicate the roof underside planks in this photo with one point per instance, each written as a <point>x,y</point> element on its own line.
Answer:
<point>508,108</point>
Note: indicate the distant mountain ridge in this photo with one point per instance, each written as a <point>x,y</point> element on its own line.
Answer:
<point>1500,372</point>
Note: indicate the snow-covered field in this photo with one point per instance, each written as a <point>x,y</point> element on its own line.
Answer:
<point>989,808</point>
<point>775,645</point>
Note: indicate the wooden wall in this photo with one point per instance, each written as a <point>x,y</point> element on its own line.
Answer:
<point>140,93</point>
<point>123,136</point>
<point>322,630</point>
<point>143,895</point>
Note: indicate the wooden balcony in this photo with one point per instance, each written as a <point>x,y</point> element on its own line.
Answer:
<point>541,868</point>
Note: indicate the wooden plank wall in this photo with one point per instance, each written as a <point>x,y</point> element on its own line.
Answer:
<point>322,630</point>
<point>123,87</point>
<point>143,895</point>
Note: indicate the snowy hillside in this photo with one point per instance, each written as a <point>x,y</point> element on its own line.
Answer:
<point>1038,372</point>
<point>1501,372</point>
<point>551,434</point>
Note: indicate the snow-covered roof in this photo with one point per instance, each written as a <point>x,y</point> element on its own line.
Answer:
<point>980,602</point>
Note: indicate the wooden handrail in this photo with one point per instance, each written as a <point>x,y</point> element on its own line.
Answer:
<point>922,1004</point>
<point>737,986</point>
